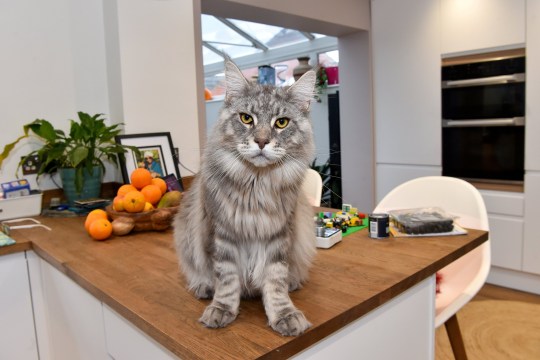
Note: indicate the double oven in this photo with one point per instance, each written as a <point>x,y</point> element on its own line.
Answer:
<point>483,117</point>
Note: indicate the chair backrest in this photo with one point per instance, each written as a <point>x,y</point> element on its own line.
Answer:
<point>459,198</point>
<point>312,187</point>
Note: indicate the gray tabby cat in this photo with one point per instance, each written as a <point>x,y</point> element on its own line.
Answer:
<point>245,228</point>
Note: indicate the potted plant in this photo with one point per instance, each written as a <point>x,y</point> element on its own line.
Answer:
<point>78,156</point>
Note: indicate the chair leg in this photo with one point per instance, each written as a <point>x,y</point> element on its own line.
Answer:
<point>456,340</point>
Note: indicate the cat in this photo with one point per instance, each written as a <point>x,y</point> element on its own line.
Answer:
<point>245,228</point>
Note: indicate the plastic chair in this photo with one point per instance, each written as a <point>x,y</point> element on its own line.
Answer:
<point>312,187</point>
<point>463,278</point>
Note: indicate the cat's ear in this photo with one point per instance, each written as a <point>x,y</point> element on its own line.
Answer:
<point>303,89</point>
<point>235,82</point>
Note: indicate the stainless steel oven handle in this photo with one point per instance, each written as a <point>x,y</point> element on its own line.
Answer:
<point>516,121</point>
<point>503,79</point>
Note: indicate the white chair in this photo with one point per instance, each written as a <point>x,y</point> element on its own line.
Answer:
<point>461,279</point>
<point>312,187</point>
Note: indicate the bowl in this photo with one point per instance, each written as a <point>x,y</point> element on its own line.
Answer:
<point>157,219</point>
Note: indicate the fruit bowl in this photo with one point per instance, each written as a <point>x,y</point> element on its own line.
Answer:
<point>157,219</point>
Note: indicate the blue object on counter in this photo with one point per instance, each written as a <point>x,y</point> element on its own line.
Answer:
<point>5,240</point>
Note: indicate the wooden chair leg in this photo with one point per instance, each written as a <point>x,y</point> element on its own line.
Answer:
<point>456,340</point>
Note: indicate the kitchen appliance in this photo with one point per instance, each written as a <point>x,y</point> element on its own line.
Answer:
<point>483,117</point>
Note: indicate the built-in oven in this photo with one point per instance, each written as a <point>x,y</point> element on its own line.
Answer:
<point>483,112</point>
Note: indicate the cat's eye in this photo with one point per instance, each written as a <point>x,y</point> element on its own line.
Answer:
<point>281,123</point>
<point>246,118</point>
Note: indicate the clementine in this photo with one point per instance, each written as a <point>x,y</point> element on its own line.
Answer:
<point>134,201</point>
<point>151,193</point>
<point>124,189</point>
<point>118,203</point>
<point>141,177</point>
<point>161,184</point>
<point>94,215</point>
<point>100,229</point>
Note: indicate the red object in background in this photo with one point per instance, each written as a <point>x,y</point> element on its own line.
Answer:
<point>332,72</point>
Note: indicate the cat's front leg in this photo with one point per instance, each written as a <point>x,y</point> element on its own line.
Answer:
<point>224,307</point>
<point>283,316</point>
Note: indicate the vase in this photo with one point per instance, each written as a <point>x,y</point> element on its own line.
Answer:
<point>332,72</point>
<point>91,184</point>
<point>302,67</point>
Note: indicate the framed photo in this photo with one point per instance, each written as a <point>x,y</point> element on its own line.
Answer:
<point>157,155</point>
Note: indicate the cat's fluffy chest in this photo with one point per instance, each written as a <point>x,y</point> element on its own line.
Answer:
<point>254,209</point>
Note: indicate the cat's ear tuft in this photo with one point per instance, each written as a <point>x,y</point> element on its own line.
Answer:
<point>235,82</point>
<point>303,89</point>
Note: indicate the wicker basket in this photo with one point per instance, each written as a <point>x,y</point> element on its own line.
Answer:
<point>158,219</point>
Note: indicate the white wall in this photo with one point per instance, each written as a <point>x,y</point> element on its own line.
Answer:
<point>161,77</point>
<point>53,65</point>
<point>138,62</point>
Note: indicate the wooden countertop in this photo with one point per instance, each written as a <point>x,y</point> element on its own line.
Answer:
<point>138,276</point>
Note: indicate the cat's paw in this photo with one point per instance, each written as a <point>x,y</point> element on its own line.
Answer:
<point>203,291</point>
<point>215,317</point>
<point>291,324</point>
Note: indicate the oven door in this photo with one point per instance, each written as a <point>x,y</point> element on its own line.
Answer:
<point>484,98</point>
<point>491,150</point>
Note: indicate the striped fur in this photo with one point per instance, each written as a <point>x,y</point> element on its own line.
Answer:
<point>245,229</point>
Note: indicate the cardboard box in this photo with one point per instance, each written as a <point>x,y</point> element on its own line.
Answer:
<point>22,206</point>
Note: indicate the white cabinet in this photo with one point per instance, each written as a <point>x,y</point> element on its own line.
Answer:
<point>505,212</point>
<point>475,25</point>
<point>532,145</point>
<point>407,81</point>
<point>74,318</point>
<point>17,335</point>
<point>126,342</point>
<point>531,246</point>
<point>407,91</point>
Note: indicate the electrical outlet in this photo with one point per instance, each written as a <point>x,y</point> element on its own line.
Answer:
<point>31,165</point>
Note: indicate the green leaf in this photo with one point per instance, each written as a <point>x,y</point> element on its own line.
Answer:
<point>78,155</point>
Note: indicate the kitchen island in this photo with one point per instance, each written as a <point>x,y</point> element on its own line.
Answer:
<point>137,276</point>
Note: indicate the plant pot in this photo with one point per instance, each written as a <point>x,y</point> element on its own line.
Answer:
<point>91,185</point>
<point>302,67</point>
<point>333,75</point>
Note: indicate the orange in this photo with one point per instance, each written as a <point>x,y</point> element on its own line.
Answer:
<point>161,184</point>
<point>124,189</point>
<point>118,203</point>
<point>100,229</point>
<point>207,94</point>
<point>94,215</point>
<point>151,193</point>
<point>134,202</point>
<point>141,177</point>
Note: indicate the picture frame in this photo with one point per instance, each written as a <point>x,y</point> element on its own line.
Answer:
<point>157,155</point>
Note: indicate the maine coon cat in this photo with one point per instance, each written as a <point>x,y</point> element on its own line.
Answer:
<point>245,228</point>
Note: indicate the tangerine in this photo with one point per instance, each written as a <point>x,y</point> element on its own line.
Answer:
<point>100,229</point>
<point>134,202</point>
<point>124,189</point>
<point>161,184</point>
<point>94,215</point>
<point>151,193</point>
<point>118,203</point>
<point>140,177</point>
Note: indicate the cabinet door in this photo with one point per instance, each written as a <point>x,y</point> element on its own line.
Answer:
<point>532,145</point>
<point>17,335</point>
<point>531,244</point>
<point>407,81</point>
<point>74,318</point>
<point>126,342</point>
<point>474,25</point>
<point>506,234</point>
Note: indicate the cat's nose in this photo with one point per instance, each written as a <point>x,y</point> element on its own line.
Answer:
<point>261,142</point>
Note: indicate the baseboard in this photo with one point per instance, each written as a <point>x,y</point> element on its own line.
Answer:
<point>514,280</point>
